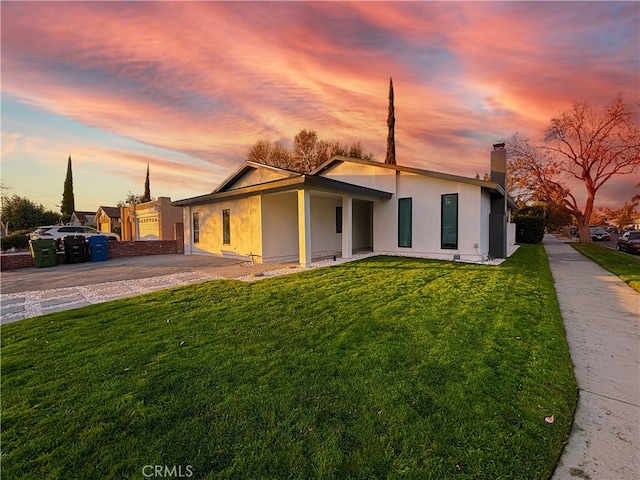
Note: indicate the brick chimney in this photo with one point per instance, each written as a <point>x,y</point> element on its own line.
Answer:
<point>499,164</point>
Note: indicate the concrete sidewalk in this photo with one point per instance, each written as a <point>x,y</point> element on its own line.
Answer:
<point>601,315</point>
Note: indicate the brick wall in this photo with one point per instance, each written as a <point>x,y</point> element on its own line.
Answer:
<point>137,249</point>
<point>116,250</point>
<point>14,261</point>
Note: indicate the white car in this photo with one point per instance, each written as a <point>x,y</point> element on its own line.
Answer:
<point>56,232</point>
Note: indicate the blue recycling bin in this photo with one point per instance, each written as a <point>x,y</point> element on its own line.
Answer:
<point>98,248</point>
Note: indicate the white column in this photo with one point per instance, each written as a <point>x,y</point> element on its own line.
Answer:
<point>304,227</point>
<point>347,227</point>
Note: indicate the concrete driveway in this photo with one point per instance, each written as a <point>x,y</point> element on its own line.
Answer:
<point>30,292</point>
<point>120,269</point>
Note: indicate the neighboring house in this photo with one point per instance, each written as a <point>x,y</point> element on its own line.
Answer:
<point>83,218</point>
<point>108,219</point>
<point>349,205</point>
<point>155,220</point>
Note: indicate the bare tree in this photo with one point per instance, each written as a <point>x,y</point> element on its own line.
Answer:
<point>304,150</point>
<point>308,152</point>
<point>269,153</point>
<point>581,144</point>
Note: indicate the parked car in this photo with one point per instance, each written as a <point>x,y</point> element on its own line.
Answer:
<point>612,229</point>
<point>58,231</point>
<point>599,233</point>
<point>629,242</point>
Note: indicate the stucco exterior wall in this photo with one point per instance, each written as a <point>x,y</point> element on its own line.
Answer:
<point>324,238</point>
<point>485,210</point>
<point>156,220</point>
<point>362,220</point>
<point>168,216</point>
<point>280,227</point>
<point>378,178</point>
<point>245,228</point>
<point>255,177</point>
<point>426,193</point>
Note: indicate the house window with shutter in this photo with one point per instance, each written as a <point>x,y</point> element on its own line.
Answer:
<point>196,227</point>
<point>449,222</point>
<point>404,222</point>
<point>226,227</point>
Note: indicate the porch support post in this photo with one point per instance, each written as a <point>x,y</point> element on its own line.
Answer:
<point>304,227</point>
<point>347,227</point>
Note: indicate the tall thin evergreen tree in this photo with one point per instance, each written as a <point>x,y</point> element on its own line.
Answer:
<point>391,122</point>
<point>147,191</point>
<point>68,200</point>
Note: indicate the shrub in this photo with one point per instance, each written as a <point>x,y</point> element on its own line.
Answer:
<point>17,240</point>
<point>529,229</point>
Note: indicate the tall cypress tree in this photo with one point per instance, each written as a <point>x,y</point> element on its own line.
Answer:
<point>68,201</point>
<point>391,122</point>
<point>147,191</point>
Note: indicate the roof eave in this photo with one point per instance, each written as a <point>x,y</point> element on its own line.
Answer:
<point>293,183</point>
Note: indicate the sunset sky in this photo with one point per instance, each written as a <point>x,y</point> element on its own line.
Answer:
<point>189,87</point>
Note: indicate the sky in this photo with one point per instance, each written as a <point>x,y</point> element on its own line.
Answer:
<point>189,87</point>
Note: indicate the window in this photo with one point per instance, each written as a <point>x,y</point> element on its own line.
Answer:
<point>226,227</point>
<point>196,227</point>
<point>449,222</point>
<point>404,222</point>
<point>338,219</point>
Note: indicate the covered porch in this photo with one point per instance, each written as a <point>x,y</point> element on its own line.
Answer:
<point>316,221</point>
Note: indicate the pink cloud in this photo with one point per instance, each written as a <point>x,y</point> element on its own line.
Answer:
<point>209,79</point>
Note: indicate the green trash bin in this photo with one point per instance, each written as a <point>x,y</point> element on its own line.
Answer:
<point>43,252</point>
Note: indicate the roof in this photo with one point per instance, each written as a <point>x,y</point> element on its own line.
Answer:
<point>493,187</point>
<point>248,166</point>
<point>83,215</point>
<point>418,171</point>
<point>112,212</point>
<point>291,183</point>
<point>292,180</point>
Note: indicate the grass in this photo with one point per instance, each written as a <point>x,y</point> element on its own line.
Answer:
<point>382,368</point>
<point>624,265</point>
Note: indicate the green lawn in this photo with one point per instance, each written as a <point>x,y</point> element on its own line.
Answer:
<point>382,368</point>
<point>624,265</point>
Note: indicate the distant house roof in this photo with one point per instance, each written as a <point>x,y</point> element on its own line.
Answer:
<point>82,216</point>
<point>111,212</point>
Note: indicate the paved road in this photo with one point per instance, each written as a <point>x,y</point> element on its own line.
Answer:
<point>601,315</point>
